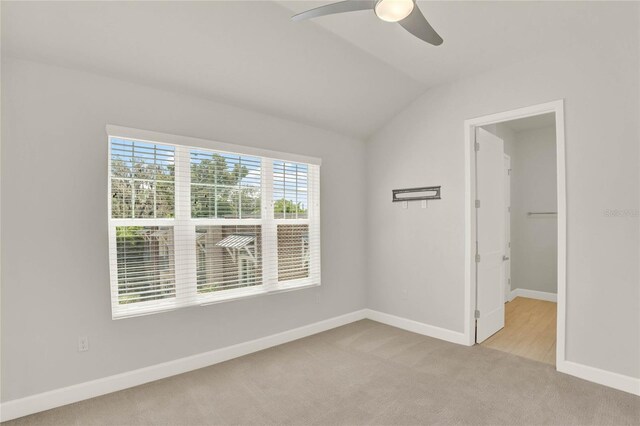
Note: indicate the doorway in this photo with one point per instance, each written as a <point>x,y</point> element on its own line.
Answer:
<point>513,286</point>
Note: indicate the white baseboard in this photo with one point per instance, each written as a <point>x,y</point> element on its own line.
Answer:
<point>47,400</point>
<point>533,294</point>
<point>70,394</point>
<point>418,327</point>
<point>602,377</point>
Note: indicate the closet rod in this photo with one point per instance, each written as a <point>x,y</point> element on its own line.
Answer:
<point>535,213</point>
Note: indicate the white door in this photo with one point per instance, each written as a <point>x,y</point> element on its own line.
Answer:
<point>490,234</point>
<point>507,227</point>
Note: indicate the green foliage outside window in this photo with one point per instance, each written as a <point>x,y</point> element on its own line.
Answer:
<point>288,206</point>
<point>219,190</point>
<point>140,189</point>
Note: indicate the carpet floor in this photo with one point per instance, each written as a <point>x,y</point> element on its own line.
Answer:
<point>362,373</point>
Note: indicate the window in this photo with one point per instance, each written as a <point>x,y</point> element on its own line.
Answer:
<point>228,257</point>
<point>194,226</point>
<point>142,179</point>
<point>290,187</point>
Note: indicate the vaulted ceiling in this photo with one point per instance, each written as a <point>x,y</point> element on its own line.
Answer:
<point>349,73</point>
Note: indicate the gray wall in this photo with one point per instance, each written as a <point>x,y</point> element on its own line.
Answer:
<point>55,276</point>
<point>534,239</point>
<point>416,256</point>
<point>505,133</point>
<point>508,136</point>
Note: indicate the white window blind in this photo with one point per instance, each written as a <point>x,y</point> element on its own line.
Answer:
<point>192,226</point>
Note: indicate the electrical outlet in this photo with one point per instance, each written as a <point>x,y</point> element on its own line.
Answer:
<point>83,344</point>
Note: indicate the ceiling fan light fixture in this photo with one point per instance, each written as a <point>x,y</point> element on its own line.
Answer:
<point>404,12</point>
<point>394,10</point>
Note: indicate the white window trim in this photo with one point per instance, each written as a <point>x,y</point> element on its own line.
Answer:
<point>186,294</point>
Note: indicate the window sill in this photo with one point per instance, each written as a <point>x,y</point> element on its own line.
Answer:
<point>167,306</point>
<point>254,292</point>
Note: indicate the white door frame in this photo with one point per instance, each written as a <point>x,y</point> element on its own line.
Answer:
<point>470,125</point>
<point>508,252</point>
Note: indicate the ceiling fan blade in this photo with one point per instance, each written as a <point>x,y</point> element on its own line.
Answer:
<point>418,25</point>
<point>340,7</point>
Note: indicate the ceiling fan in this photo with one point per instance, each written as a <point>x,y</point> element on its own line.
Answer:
<point>404,12</point>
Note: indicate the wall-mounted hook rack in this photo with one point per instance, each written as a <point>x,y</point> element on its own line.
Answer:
<point>416,194</point>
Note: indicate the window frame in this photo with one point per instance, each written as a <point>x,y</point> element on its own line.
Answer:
<point>184,225</point>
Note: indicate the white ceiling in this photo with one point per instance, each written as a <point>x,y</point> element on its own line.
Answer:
<point>349,73</point>
<point>478,35</point>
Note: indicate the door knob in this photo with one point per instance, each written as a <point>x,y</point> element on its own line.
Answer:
<point>505,258</point>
